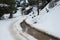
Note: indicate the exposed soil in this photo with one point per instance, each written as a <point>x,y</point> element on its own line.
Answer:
<point>36,33</point>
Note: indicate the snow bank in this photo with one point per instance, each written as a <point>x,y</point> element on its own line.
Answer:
<point>48,22</point>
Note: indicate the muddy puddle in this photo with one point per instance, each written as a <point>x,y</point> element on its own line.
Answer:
<point>36,33</point>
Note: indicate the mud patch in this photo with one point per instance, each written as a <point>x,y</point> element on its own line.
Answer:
<point>36,33</point>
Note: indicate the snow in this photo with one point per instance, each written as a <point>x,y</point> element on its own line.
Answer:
<point>6,16</point>
<point>1,5</point>
<point>4,28</point>
<point>18,13</point>
<point>4,33</point>
<point>48,22</point>
<point>28,8</point>
<point>10,29</point>
<point>27,1</point>
<point>35,10</point>
<point>21,2</point>
<point>5,25</point>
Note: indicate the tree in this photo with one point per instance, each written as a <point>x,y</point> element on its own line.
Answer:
<point>32,2</point>
<point>36,2</point>
<point>11,3</point>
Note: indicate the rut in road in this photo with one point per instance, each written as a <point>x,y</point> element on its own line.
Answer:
<point>36,33</point>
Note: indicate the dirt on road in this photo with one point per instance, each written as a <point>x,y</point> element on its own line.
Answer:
<point>36,33</point>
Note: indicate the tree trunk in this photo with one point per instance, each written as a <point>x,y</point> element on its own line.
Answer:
<point>11,15</point>
<point>38,7</point>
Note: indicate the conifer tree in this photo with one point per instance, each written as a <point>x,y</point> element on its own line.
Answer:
<point>11,3</point>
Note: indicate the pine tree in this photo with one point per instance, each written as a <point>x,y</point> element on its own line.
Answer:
<point>11,3</point>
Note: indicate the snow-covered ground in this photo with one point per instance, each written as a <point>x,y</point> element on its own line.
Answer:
<point>5,34</point>
<point>4,28</point>
<point>48,22</point>
<point>10,29</point>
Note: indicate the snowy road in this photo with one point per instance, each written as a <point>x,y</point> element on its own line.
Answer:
<point>5,34</point>
<point>10,30</point>
<point>4,30</point>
